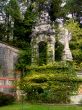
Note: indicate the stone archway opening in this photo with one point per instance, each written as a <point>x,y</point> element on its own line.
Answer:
<point>42,53</point>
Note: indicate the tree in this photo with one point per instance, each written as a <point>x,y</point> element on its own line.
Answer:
<point>55,10</point>
<point>24,59</point>
<point>13,10</point>
<point>13,14</point>
<point>74,7</point>
<point>3,26</point>
<point>76,42</point>
<point>23,28</point>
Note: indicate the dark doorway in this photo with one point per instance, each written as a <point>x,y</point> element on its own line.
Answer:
<point>42,53</point>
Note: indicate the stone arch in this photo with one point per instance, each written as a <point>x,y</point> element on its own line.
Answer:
<point>50,40</point>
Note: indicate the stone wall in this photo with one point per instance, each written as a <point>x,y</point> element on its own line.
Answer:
<point>8,58</point>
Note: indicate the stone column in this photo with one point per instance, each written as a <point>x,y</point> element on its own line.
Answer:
<point>34,47</point>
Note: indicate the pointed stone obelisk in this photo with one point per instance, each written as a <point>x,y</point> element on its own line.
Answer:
<point>65,37</point>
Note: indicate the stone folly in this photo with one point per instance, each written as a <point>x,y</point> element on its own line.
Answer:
<point>43,33</point>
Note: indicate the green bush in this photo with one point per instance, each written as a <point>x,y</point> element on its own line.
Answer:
<point>77,55</point>
<point>73,45</point>
<point>76,41</point>
<point>50,83</point>
<point>6,99</point>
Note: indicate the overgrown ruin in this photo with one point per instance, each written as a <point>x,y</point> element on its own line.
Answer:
<point>43,32</point>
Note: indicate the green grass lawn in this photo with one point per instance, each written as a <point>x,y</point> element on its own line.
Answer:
<point>39,107</point>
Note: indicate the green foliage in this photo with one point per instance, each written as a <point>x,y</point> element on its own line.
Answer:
<point>30,16</point>
<point>77,55</point>
<point>23,28</point>
<point>74,7</point>
<point>24,59</point>
<point>58,51</point>
<point>76,42</point>
<point>19,31</point>
<point>13,9</point>
<point>6,99</point>
<point>50,83</point>
<point>42,53</point>
<point>20,44</point>
<point>55,9</point>
<point>74,28</point>
<point>2,31</point>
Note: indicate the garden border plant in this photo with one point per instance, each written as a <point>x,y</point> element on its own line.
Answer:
<point>50,83</point>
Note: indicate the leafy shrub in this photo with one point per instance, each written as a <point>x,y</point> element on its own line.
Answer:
<point>77,55</point>
<point>6,99</point>
<point>73,45</point>
<point>76,41</point>
<point>50,83</point>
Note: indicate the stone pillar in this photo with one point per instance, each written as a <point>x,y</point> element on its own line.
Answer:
<point>34,51</point>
